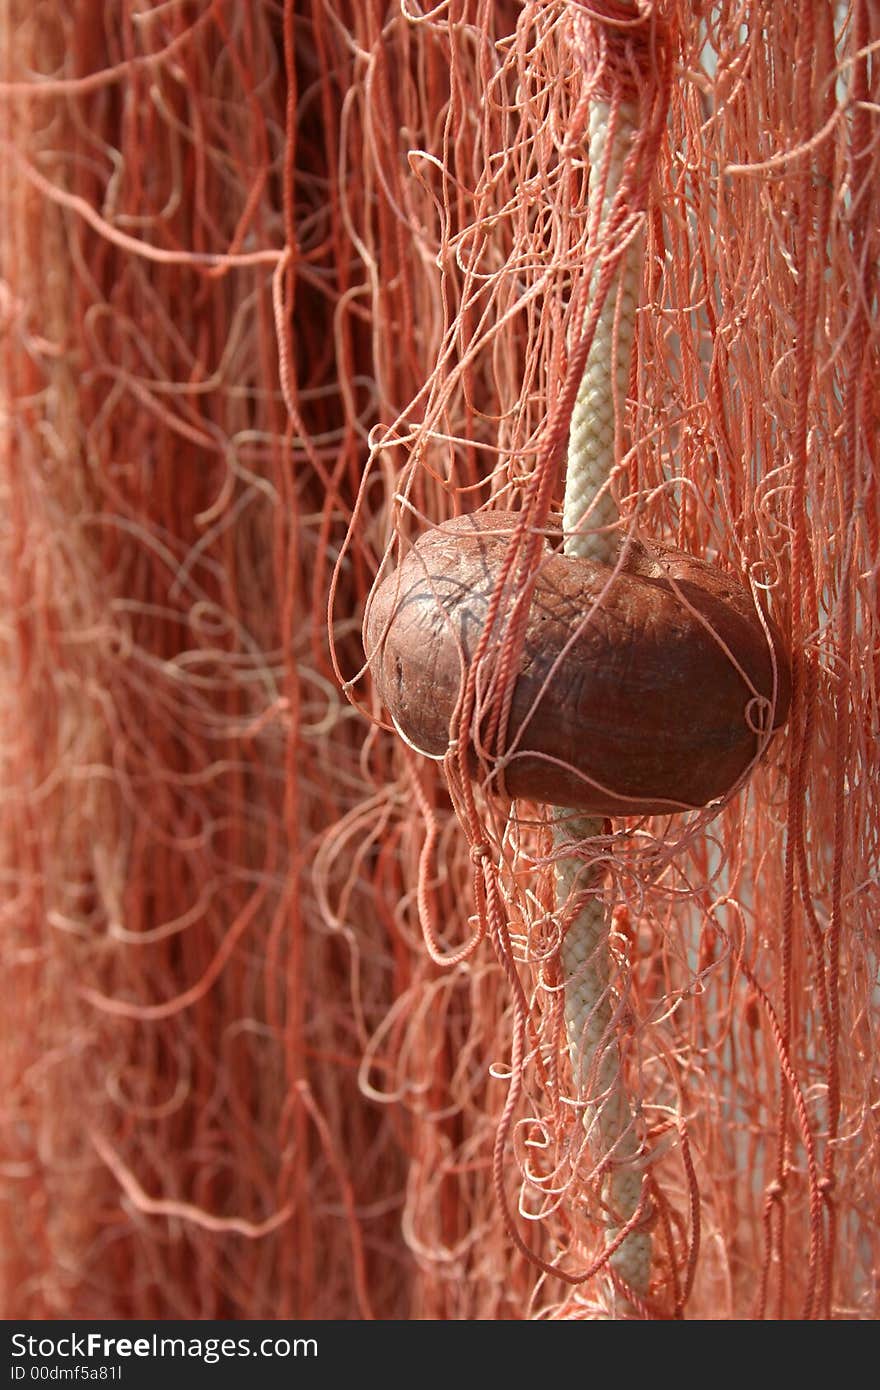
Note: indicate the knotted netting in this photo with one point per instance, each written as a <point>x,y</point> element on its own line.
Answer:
<point>285,288</point>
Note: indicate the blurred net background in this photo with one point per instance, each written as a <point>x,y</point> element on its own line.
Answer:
<point>279,282</point>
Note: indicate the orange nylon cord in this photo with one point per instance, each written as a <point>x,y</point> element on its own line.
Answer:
<point>283,289</point>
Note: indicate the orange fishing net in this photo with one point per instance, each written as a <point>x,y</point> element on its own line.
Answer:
<point>282,289</point>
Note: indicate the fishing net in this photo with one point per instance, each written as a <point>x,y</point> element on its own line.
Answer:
<point>283,289</point>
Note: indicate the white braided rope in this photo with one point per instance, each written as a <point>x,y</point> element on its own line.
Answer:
<point>588,501</point>
<point>595,1059</point>
<point>588,513</point>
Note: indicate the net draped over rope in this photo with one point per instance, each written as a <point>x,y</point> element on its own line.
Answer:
<point>279,283</point>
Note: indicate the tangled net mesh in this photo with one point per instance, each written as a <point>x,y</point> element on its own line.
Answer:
<point>283,287</point>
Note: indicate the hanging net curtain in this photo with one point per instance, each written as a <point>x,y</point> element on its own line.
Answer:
<point>283,289</point>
